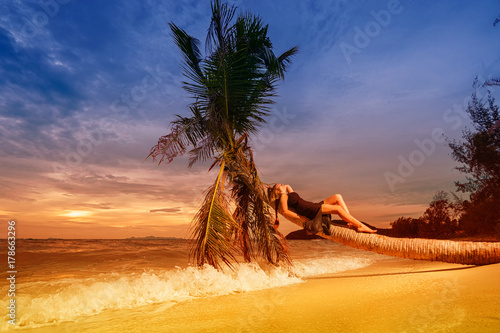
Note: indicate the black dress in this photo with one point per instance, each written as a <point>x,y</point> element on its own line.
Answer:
<point>303,207</point>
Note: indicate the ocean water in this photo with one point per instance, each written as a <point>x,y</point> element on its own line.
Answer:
<point>66,280</point>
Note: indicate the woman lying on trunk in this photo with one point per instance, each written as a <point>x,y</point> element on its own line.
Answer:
<point>293,207</point>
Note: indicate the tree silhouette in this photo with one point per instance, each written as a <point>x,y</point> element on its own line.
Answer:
<point>479,156</point>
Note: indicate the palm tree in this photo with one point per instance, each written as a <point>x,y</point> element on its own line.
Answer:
<point>232,87</point>
<point>458,252</point>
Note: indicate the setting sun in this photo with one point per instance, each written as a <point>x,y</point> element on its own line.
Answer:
<point>77,213</point>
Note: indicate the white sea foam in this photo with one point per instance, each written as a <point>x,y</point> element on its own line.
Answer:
<point>328,265</point>
<point>71,299</point>
<point>92,295</point>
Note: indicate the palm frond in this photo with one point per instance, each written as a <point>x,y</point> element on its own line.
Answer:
<point>212,228</point>
<point>220,32</point>
<point>185,132</point>
<point>242,196</point>
<point>203,151</point>
<point>272,244</point>
<point>171,145</point>
<point>257,235</point>
<point>285,60</point>
<point>189,47</point>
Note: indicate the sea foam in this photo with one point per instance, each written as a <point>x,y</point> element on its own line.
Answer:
<point>320,266</point>
<point>84,297</point>
<point>74,298</point>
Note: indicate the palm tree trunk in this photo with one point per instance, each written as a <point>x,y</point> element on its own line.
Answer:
<point>458,252</point>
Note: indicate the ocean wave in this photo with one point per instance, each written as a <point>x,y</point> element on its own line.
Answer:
<point>73,298</point>
<point>113,291</point>
<point>328,265</point>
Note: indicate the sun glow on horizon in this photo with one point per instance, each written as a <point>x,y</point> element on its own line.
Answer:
<point>77,213</point>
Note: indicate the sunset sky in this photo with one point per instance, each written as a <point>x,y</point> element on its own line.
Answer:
<point>87,88</point>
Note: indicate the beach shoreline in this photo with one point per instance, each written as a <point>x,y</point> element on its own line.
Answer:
<point>393,295</point>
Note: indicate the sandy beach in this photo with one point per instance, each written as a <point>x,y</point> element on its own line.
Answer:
<point>395,295</point>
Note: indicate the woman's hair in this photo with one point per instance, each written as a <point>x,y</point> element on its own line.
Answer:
<point>274,196</point>
<point>273,193</point>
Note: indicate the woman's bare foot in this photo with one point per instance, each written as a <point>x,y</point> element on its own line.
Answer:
<point>364,228</point>
<point>360,228</point>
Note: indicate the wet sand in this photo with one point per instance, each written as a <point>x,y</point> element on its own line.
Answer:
<point>395,295</point>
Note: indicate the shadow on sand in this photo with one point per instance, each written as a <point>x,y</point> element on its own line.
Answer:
<point>391,273</point>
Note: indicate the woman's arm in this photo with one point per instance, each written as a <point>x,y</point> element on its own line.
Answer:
<point>283,205</point>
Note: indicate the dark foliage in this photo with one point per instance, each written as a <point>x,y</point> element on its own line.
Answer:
<point>437,221</point>
<point>479,156</point>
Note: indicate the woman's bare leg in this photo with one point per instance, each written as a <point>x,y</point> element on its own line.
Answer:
<point>337,199</point>
<point>337,209</point>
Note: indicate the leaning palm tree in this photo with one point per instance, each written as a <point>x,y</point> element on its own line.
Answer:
<point>458,252</point>
<point>232,87</point>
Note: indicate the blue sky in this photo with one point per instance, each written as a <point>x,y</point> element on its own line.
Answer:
<point>87,87</point>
